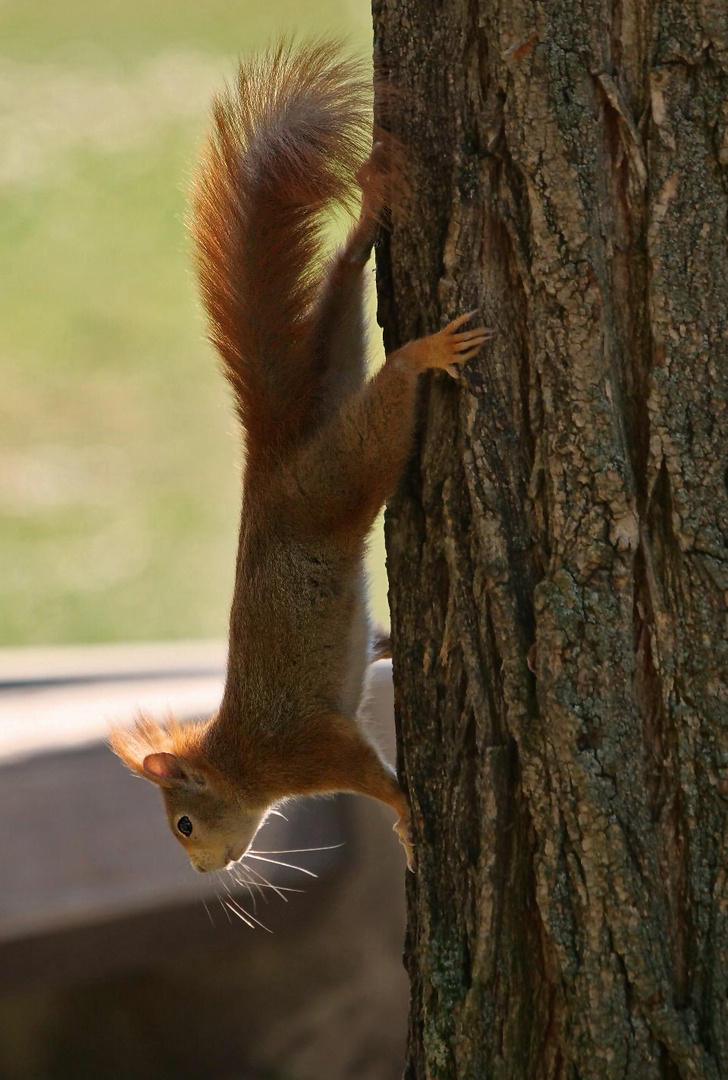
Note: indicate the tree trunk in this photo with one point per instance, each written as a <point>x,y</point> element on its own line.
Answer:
<point>557,551</point>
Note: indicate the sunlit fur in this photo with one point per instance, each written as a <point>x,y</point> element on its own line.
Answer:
<point>286,141</point>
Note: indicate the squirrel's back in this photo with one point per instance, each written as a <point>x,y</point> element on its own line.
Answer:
<point>286,142</point>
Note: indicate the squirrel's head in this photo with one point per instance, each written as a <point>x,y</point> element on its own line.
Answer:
<point>203,809</point>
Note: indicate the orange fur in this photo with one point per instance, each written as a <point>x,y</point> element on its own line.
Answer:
<point>286,144</point>
<point>148,736</point>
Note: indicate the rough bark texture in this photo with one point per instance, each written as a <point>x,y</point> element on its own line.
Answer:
<point>557,552</point>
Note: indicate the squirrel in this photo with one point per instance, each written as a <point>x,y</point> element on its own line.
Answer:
<point>324,447</point>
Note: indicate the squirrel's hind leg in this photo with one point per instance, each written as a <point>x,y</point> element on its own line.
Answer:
<point>339,335</point>
<point>339,321</point>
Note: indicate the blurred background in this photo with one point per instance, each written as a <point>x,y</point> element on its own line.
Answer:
<point>119,500</point>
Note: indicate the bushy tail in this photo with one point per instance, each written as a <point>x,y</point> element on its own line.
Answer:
<point>286,142</point>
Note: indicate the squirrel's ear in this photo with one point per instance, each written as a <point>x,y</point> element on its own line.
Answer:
<point>163,768</point>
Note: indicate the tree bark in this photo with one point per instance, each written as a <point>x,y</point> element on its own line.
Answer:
<point>557,551</point>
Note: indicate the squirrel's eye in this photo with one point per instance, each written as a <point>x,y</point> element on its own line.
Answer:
<point>185,826</point>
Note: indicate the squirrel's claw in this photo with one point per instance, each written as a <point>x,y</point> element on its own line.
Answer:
<point>403,829</point>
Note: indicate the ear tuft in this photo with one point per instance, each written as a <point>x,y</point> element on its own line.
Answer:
<point>163,768</point>
<point>132,743</point>
<point>163,754</point>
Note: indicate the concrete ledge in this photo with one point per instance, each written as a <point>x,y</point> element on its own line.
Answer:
<point>51,699</point>
<point>87,663</point>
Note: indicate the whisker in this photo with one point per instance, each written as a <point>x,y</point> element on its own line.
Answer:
<point>231,899</point>
<point>237,876</point>
<point>204,903</point>
<point>278,814</point>
<point>295,850</point>
<point>232,869</point>
<point>252,884</point>
<point>222,905</point>
<point>244,914</point>
<point>270,885</point>
<point>249,891</point>
<point>218,875</point>
<point>239,915</point>
<point>281,888</point>
<point>278,862</point>
<point>237,908</point>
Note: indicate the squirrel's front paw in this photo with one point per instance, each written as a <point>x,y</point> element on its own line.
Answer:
<point>447,348</point>
<point>403,829</point>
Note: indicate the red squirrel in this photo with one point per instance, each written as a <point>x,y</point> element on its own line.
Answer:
<point>324,447</point>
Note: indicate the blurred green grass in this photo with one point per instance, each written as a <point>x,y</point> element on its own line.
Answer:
<point>119,456</point>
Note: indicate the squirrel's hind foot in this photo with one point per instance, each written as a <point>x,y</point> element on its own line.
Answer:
<point>403,829</point>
